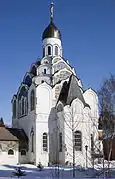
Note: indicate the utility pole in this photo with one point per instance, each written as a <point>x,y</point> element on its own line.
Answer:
<point>57,150</point>
<point>86,147</point>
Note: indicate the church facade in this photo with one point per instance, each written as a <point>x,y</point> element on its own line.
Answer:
<point>58,117</point>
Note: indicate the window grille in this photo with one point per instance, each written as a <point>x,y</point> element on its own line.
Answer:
<point>45,142</point>
<point>78,141</point>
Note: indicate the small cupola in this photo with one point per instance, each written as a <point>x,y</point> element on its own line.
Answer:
<point>51,38</point>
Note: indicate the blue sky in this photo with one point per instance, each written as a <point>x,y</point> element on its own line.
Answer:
<point>88,38</point>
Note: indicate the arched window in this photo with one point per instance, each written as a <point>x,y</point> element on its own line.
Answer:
<point>10,152</point>
<point>46,62</point>
<point>43,51</point>
<point>22,113</point>
<point>44,71</point>
<point>32,140</point>
<point>25,106</point>
<point>23,152</point>
<point>78,141</point>
<point>19,108</point>
<point>45,142</point>
<point>32,100</point>
<point>60,142</point>
<point>49,50</point>
<point>14,108</point>
<point>42,81</point>
<point>56,50</point>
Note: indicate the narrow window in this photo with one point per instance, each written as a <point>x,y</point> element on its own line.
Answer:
<point>32,140</point>
<point>34,70</point>
<point>60,142</point>
<point>92,143</point>
<point>14,108</point>
<point>19,108</point>
<point>49,50</point>
<point>43,51</point>
<point>23,152</point>
<point>25,106</point>
<point>45,142</point>
<point>78,141</point>
<point>56,50</point>
<point>10,152</point>
<point>44,71</point>
<point>32,100</point>
<point>46,62</point>
<point>32,143</point>
<point>22,106</point>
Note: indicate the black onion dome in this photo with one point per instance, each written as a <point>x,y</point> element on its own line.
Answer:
<point>51,31</point>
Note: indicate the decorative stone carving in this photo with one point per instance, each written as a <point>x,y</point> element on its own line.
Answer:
<point>6,145</point>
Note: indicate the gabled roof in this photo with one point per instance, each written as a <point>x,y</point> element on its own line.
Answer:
<point>6,135</point>
<point>12,134</point>
<point>18,133</point>
<point>71,91</point>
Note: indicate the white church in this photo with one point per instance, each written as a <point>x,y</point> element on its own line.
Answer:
<point>53,118</point>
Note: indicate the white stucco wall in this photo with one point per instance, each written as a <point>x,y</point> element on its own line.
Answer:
<point>92,99</point>
<point>53,42</point>
<point>38,80</point>
<point>43,109</point>
<point>42,67</point>
<point>4,157</point>
<point>23,158</point>
<point>81,122</point>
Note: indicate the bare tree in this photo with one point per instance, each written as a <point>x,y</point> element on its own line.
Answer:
<point>71,125</point>
<point>107,114</point>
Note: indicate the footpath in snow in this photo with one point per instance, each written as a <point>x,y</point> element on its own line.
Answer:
<point>54,172</point>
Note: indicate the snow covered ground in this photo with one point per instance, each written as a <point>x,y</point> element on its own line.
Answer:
<point>62,172</point>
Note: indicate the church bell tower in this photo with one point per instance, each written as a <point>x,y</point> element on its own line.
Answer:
<point>51,38</point>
